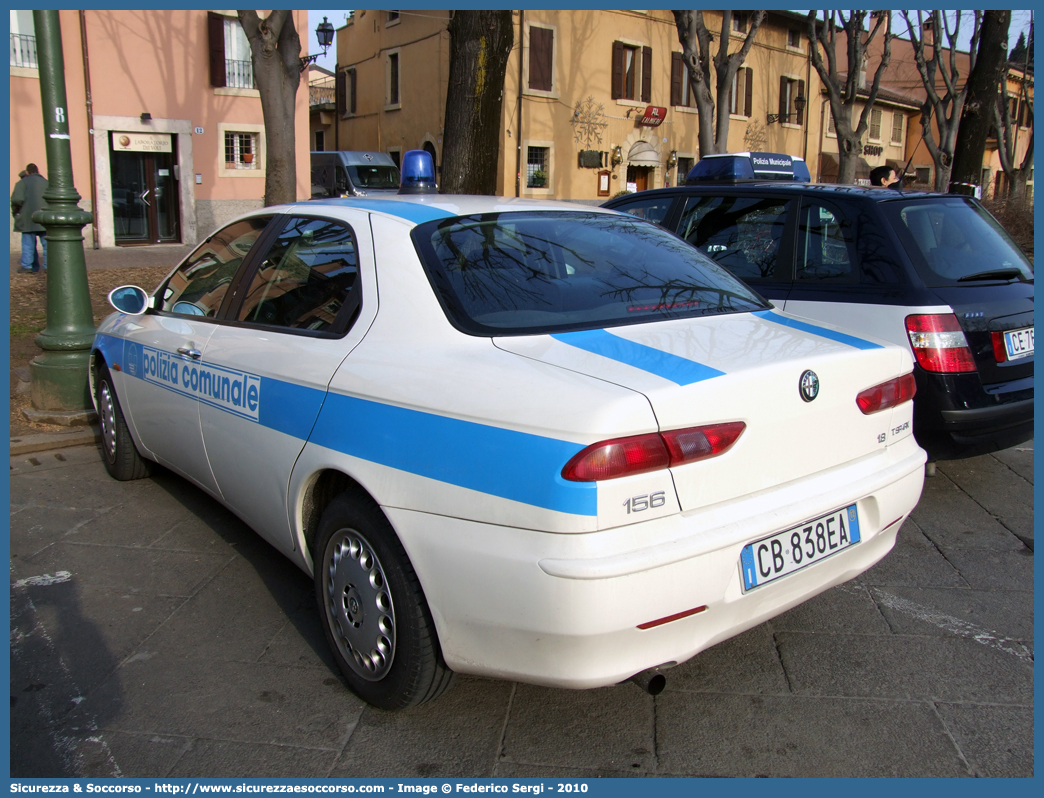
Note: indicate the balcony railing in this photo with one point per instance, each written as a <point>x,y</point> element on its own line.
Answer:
<point>239,74</point>
<point>23,51</point>
<point>322,91</point>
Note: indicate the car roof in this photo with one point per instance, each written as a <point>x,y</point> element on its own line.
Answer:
<point>420,208</point>
<point>873,193</point>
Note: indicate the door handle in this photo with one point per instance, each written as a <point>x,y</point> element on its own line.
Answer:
<point>195,354</point>
<point>144,194</point>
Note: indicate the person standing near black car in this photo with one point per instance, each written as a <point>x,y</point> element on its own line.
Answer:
<point>27,199</point>
<point>883,177</point>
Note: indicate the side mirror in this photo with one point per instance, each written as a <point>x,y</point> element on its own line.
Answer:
<point>129,299</point>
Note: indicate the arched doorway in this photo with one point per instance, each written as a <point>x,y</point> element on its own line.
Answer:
<point>642,160</point>
<point>430,149</point>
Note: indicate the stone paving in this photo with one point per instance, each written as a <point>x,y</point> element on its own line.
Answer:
<point>155,635</point>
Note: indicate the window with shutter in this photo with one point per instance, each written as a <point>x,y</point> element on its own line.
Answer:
<point>216,46</point>
<point>618,71</point>
<point>677,76</point>
<point>875,124</point>
<point>646,74</point>
<point>897,127</point>
<point>341,93</point>
<point>541,58</point>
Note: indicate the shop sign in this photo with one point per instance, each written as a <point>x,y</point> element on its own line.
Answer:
<point>141,142</point>
<point>653,116</point>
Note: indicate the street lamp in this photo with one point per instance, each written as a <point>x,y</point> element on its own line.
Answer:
<point>324,32</point>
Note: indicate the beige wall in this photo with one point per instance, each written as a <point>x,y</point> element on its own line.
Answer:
<point>155,62</point>
<point>421,41</point>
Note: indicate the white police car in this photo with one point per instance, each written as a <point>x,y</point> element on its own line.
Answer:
<point>519,439</point>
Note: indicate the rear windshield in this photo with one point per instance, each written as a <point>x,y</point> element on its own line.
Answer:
<point>374,176</point>
<point>523,273</point>
<point>954,240</point>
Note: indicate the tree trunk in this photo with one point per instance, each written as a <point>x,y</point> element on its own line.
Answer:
<point>977,115</point>
<point>696,41</point>
<point>480,43</point>
<point>275,52</point>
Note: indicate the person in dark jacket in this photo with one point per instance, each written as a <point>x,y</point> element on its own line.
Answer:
<point>27,199</point>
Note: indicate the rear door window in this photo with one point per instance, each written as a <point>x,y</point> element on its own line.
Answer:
<point>746,235</point>
<point>307,279</point>
<point>826,249</point>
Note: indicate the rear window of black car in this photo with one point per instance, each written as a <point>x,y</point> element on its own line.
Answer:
<point>522,273</point>
<point>953,240</point>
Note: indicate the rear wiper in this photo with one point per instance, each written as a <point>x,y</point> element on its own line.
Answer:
<point>995,274</point>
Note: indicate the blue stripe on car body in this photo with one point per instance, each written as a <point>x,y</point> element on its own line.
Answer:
<point>678,370</point>
<point>823,332</point>
<point>501,462</point>
<point>410,211</point>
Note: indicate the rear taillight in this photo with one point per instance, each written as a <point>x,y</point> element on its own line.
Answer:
<point>887,394</point>
<point>939,344</point>
<point>1000,351</point>
<point>622,457</point>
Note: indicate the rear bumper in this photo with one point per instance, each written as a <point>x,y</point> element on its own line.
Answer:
<point>955,417</point>
<point>565,609</point>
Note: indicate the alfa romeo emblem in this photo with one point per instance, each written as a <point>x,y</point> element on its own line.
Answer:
<point>809,385</point>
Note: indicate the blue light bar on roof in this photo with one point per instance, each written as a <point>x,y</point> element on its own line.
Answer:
<point>418,173</point>
<point>739,166</point>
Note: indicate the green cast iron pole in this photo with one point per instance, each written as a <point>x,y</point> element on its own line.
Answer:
<point>59,374</point>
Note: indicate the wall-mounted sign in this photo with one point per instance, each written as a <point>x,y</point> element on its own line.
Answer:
<point>653,116</point>
<point>872,149</point>
<point>141,142</point>
<point>198,131</point>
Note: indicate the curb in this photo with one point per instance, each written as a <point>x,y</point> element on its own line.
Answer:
<point>41,442</point>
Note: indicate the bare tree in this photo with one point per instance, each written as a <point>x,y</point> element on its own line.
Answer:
<point>944,108</point>
<point>480,43</point>
<point>275,50</point>
<point>696,42</point>
<point>977,117</point>
<point>1008,128</point>
<point>844,93</point>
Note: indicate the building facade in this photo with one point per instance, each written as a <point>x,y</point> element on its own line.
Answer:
<point>598,102</point>
<point>167,133</point>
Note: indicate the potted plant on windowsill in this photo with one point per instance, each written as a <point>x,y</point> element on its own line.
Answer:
<point>538,179</point>
<point>248,157</point>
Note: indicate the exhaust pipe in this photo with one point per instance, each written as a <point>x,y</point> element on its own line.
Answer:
<point>651,681</point>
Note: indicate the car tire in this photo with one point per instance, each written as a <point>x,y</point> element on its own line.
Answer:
<point>373,610</point>
<point>119,453</point>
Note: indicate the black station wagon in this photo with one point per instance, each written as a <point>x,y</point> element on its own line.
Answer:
<point>935,272</point>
